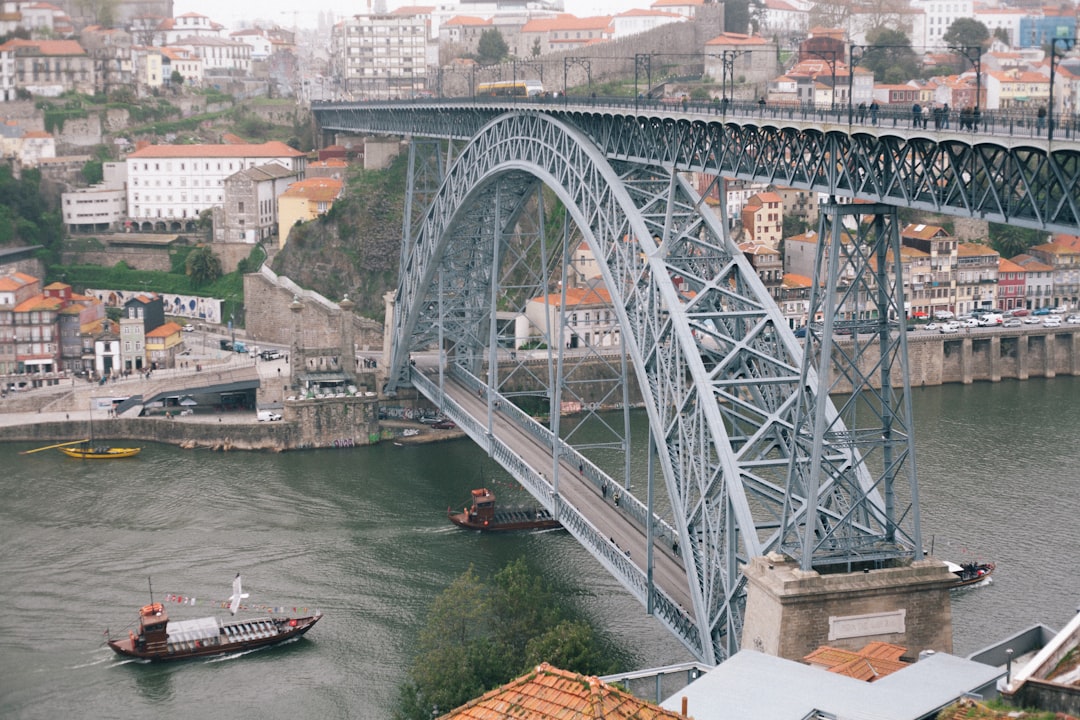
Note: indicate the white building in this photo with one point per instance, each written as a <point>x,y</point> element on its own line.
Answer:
<point>635,21</point>
<point>936,17</point>
<point>591,321</point>
<point>380,56</point>
<point>170,30</point>
<point>218,54</point>
<point>170,185</point>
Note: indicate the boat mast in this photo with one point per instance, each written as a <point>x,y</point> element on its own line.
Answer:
<point>151,586</point>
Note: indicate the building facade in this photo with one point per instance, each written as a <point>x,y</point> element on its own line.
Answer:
<point>380,56</point>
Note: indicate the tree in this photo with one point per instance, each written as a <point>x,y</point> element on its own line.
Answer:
<point>536,50</point>
<point>966,32</point>
<point>176,78</point>
<point>1011,241</point>
<point>794,225</point>
<point>491,47</point>
<point>890,57</point>
<point>480,635</point>
<point>202,266</point>
<point>1002,34</point>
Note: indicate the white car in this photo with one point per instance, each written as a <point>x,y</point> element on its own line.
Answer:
<point>943,315</point>
<point>969,323</point>
<point>1052,322</point>
<point>1012,323</point>
<point>1032,320</point>
<point>189,328</point>
<point>931,326</point>
<point>1073,319</point>
<point>950,327</point>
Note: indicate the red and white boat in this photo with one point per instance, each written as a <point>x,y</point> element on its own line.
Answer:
<point>159,638</point>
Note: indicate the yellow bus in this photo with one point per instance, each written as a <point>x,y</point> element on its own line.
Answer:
<point>510,88</point>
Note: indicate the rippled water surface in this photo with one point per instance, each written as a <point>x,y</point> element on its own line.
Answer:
<point>361,535</point>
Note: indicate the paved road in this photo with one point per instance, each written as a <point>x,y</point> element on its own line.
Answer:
<point>668,573</point>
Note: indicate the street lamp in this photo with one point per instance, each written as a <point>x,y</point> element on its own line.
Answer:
<point>642,60</point>
<point>1067,43</point>
<point>855,56</point>
<point>727,73</point>
<point>832,65</point>
<point>582,62</point>
<point>973,54</point>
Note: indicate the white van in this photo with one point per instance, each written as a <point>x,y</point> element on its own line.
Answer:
<point>268,416</point>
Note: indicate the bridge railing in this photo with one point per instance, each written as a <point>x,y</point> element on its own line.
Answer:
<point>1010,122</point>
<point>617,560</point>
<point>628,505</point>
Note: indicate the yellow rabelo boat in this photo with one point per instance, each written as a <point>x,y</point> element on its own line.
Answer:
<point>99,452</point>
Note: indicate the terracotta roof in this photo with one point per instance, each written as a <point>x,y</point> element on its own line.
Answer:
<point>1005,265</point>
<point>677,3</point>
<point>40,302</point>
<point>1072,241</point>
<point>548,693</point>
<point>465,20</point>
<point>46,47</point>
<point>330,163</point>
<point>729,38</point>
<point>15,280</point>
<point>1032,264</point>
<point>1056,248</point>
<point>578,296</point>
<point>414,10</point>
<point>164,331</point>
<point>795,280</point>
<point>974,250</point>
<point>318,189</point>
<point>754,248</point>
<point>873,662</point>
<point>922,232</point>
<point>274,148</point>
<point>810,236</point>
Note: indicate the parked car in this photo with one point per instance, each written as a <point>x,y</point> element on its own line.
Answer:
<point>944,315</point>
<point>1052,322</point>
<point>1012,323</point>
<point>990,319</point>
<point>931,326</point>
<point>970,323</point>
<point>1073,319</point>
<point>270,354</point>
<point>268,416</point>
<point>1032,320</point>
<point>1042,311</point>
<point>1020,312</point>
<point>189,328</point>
<point>444,425</point>
<point>950,327</point>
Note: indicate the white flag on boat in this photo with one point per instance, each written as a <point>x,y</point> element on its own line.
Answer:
<point>237,595</point>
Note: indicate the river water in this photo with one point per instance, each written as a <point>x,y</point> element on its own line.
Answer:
<point>361,535</point>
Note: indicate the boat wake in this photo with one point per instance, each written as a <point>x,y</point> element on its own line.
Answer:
<point>109,658</point>
<point>242,653</point>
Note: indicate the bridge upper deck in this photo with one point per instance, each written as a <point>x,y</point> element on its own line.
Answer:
<point>1003,169</point>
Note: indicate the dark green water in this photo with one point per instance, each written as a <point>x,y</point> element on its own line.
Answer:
<point>361,535</point>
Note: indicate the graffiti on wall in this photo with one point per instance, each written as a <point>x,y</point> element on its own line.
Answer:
<point>186,306</point>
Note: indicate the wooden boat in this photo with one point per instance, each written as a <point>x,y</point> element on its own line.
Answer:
<point>99,452</point>
<point>160,639</point>
<point>482,515</point>
<point>970,573</point>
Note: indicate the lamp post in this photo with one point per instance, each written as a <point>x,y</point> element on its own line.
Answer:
<point>539,67</point>
<point>727,73</point>
<point>582,62</point>
<point>642,60</point>
<point>855,56</point>
<point>832,65</point>
<point>973,54</point>
<point>1067,43</point>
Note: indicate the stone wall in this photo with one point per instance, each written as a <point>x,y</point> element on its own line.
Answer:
<point>80,132</point>
<point>334,422</point>
<point>267,299</point>
<point>790,612</point>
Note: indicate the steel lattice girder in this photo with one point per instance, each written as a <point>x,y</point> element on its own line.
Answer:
<point>1001,179</point>
<point>853,475</point>
<point>720,375</point>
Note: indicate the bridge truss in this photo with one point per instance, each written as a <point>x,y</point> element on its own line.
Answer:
<point>753,456</point>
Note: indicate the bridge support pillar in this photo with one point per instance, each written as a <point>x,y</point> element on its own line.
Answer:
<point>1022,357</point>
<point>995,359</point>
<point>1049,354</point>
<point>1074,353</point>
<point>966,359</point>
<point>791,612</point>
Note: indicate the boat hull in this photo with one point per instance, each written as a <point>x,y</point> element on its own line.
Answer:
<point>974,576</point>
<point>506,522</point>
<point>100,454</point>
<point>288,628</point>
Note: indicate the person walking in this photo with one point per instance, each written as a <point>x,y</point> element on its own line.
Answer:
<point>916,116</point>
<point>873,112</point>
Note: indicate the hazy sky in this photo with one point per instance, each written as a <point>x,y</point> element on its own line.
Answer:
<point>233,12</point>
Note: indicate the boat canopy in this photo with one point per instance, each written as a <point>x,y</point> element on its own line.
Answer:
<point>197,629</point>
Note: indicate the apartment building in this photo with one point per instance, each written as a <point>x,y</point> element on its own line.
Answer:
<point>46,67</point>
<point>170,185</point>
<point>380,56</point>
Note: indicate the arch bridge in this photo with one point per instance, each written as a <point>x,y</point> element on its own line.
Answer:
<point>555,258</point>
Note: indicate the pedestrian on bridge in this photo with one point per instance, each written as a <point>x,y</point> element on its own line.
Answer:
<point>916,115</point>
<point>603,489</point>
<point>873,112</point>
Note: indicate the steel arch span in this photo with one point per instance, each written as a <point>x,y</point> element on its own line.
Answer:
<point>718,368</point>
